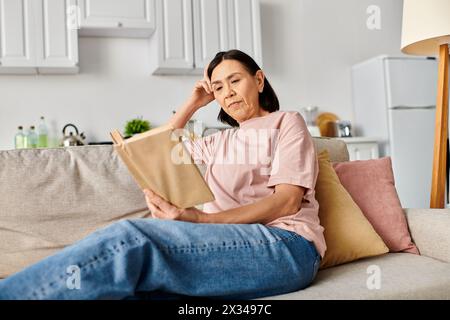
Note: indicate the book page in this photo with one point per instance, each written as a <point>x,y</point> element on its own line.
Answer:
<point>150,132</point>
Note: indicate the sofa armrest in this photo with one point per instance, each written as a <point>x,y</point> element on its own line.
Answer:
<point>430,231</point>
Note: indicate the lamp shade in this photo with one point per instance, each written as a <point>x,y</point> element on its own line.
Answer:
<point>425,26</point>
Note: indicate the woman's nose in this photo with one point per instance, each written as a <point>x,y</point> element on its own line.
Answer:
<point>229,92</point>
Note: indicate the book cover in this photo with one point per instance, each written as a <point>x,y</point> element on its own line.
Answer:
<point>158,161</point>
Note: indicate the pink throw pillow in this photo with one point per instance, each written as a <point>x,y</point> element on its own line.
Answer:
<point>371,185</point>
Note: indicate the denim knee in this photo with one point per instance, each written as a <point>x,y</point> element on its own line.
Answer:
<point>117,233</point>
<point>119,227</point>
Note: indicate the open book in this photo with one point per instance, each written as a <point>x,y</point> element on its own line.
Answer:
<point>159,161</point>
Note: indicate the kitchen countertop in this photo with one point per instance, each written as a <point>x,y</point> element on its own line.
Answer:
<point>358,139</point>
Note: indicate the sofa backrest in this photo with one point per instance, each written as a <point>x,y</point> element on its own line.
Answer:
<point>337,149</point>
<point>51,198</point>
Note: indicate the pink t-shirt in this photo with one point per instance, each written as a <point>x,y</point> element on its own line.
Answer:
<point>244,164</point>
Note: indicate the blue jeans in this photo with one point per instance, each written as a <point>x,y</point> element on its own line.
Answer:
<point>133,258</point>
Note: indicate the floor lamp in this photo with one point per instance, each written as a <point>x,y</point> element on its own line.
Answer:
<point>426,31</point>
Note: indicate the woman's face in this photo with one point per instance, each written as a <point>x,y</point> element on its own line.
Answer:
<point>237,90</point>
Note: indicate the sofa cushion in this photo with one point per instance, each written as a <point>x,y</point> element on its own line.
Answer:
<point>402,276</point>
<point>371,185</point>
<point>348,234</point>
<point>430,231</point>
<point>52,198</point>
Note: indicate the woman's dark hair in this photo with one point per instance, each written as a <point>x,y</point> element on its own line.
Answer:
<point>268,100</point>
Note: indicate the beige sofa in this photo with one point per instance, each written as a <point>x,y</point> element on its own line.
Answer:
<point>50,198</point>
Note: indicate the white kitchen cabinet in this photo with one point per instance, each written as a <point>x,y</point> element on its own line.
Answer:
<point>56,43</point>
<point>172,44</point>
<point>190,32</point>
<point>211,30</point>
<point>361,148</point>
<point>245,27</point>
<point>117,18</point>
<point>17,40</point>
<point>36,37</point>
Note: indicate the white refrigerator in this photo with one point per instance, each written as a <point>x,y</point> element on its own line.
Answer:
<point>394,99</point>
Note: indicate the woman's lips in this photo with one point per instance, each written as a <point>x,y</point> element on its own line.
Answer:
<point>234,104</point>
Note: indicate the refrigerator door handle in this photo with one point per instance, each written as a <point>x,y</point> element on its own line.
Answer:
<point>412,107</point>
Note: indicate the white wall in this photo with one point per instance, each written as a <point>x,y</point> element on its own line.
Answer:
<point>308,49</point>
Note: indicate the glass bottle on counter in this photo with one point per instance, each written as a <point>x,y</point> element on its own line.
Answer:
<point>19,138</point>
<point>31,139</point>
<point>42,134</point>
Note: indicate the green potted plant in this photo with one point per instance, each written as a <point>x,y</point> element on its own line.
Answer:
<point>135,126</point>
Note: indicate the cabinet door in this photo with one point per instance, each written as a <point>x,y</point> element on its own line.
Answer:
<point>245,27</point>
<point>56,40</point>
<point>211,30</point>
<point>174,39</point>
<point>362,151</point>
<point>131,18</point>
<point>17,41</point>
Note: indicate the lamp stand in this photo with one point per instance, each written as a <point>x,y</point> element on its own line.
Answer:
<point>437,198</point>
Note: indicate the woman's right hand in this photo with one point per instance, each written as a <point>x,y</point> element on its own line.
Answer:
<point>202,93</point>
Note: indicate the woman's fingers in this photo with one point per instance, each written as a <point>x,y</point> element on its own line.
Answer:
<point>160,203</point>
<point>163,204</point>
<point>151,206</point>
<point>157,213</point>
<point>206,78</point>
<point>206,87</point>
<point>198,84</point>
<point>205,72</point>
<point>207,83</point>
<point>202,84</point>
<point>153,209</point>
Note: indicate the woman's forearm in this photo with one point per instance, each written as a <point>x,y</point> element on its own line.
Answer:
<point>183,115</point>
<point>200,97</point>
<point>263,211</point>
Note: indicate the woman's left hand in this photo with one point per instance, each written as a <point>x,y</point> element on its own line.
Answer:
<point>161,209</point>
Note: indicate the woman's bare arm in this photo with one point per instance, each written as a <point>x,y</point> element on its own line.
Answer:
<point>285,201</point>
<point>201,95</point>
<point>183,115</point>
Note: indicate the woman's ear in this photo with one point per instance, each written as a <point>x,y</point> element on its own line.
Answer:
<point>260,80</point>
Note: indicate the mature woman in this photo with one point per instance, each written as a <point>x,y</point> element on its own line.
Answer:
<point>260,236</point>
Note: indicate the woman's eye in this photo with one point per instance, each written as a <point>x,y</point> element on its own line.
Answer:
<point>217,88</point>
<point>234,81</point>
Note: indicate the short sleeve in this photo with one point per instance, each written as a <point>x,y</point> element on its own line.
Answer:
<point>295,160</point>
<point>202,150</point>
